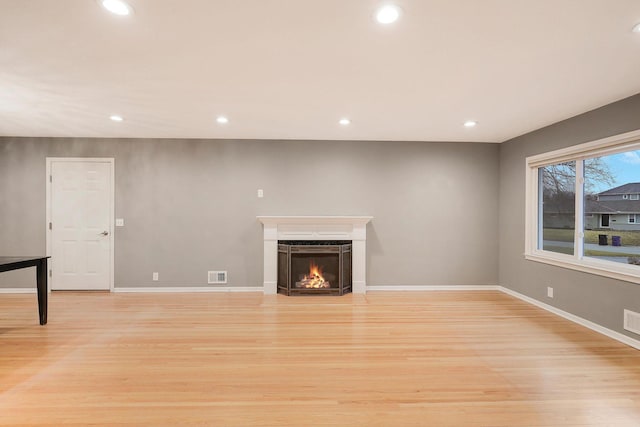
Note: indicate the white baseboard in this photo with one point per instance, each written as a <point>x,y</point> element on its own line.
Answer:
<point>374,288</point>
<point>176,289</point>
<point>576,319</point>
<point>632,342</point>
<point>18,290</point>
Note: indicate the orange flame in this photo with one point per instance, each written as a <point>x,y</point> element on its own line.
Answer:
<point>315,271</point>
<point>314,279</point>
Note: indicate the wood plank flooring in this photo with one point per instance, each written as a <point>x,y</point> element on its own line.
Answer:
<point>243,359</point>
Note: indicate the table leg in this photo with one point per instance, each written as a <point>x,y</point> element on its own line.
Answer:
<point>43,291</point>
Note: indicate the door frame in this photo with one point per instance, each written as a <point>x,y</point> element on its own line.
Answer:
<point>111,162</point>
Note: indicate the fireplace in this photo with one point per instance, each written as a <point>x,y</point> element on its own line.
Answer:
<point>308,228</point>
<point>308,267</point>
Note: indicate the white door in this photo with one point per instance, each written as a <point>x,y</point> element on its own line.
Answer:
<point>81,206</point>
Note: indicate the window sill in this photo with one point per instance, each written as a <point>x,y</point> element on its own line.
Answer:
<point>623,272</point>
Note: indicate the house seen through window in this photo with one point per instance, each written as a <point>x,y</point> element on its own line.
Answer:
<point>608,233</point>
<point>584,209</point>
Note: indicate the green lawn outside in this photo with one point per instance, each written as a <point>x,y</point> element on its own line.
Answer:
<point>607,254</point>
<point>559,249</point>
<point>569,251</point>
<point>628,238</point>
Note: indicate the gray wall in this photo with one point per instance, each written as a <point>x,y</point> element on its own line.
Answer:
<point>598,299</point>
<point>190,205</point>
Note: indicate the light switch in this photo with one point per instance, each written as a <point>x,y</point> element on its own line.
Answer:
<point>119,222</point>
<point>260,193</point>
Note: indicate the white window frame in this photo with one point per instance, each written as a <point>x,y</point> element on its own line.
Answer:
<point>625,196</point>
<point>632,219</point>
<point>634,197</point>
<point>612,145</point>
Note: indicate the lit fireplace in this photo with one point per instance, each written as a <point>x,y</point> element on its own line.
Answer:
<point>314,279</point>
<point>314,267</point>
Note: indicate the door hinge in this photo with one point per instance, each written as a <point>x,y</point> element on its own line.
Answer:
<point>50,226</point>
<point>50,273</point>
<point>50,178</point>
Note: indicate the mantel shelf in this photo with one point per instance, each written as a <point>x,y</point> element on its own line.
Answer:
<point>356,220</point>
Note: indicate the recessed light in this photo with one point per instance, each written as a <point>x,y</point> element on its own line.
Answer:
<point>117,7</point>
<point>636,28</point>
<point>116,118</point>
<point>222,120</point>
<point>344,121</point>
<point>388,14</point>
<point>470,124</point>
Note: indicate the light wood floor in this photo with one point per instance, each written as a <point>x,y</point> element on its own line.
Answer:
<point>242,359</point>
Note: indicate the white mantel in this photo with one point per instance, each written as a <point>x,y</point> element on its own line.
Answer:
<point>352,228</point>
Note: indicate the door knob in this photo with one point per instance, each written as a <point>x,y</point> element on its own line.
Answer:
<point>105,233</point>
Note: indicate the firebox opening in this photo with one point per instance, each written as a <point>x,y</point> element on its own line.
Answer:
<point>314,267</point>
<point>311,271</point>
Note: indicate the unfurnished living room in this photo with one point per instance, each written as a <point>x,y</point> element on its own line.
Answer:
<point>314,213</point>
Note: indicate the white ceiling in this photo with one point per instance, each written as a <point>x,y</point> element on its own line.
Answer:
<point>289,69</point>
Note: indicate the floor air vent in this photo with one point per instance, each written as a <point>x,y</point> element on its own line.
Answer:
<point>217,277</point>
<point>632,321</point>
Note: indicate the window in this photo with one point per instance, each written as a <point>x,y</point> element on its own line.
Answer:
<point>558,208</point>
<point>579,201</point>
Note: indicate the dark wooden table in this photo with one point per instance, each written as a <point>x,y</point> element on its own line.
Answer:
<point>8,263</point>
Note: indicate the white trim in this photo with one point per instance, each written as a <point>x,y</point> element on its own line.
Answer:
<point>18,291</point>
<point>576,319</point>
<point>315,220</point>
<point>624,272</point>
<point>411,288</point>
<point>388,288</point>
<point>571,317</point>
<point>605,146</point>
<point>47,219</point>
<point>533,211</point>
<point>176,289</point>
<point>352,228</point>
<point>578,230</point>
<point>111,162</point>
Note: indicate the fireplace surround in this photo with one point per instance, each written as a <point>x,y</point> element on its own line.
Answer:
<point>353,228</point>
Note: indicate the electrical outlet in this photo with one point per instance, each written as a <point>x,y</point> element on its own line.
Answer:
<point>119,222</point>
<point>260,193</point>
<point>549,291</point>
<point>155,276</point>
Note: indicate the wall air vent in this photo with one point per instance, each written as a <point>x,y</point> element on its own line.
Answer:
<point>217,277</point>
<point>632,321</point>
